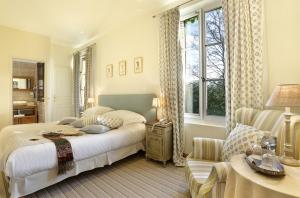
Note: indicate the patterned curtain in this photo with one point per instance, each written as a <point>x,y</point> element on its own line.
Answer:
<point>171,81</point>
<point>244,75</point>
<point>89,92</point>
<point>76,72</point>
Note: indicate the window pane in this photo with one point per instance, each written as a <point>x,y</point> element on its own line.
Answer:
<point>215,62</point>
<point>216,97</point>
<point>214,26</point>
<point>192,74</point>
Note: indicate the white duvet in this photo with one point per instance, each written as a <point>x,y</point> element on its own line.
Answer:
<point>32,159</point>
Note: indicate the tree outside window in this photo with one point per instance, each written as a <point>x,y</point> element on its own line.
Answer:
<point>204,60</point>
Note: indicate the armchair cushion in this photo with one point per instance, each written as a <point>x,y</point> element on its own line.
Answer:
<point>240,139</point>
<point>207,149</point>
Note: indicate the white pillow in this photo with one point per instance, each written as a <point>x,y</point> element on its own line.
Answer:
<point>240,139</point>
<point>128,117</point>
<point>67,120</point>
<point>98,110</point>
<point>95,129</point>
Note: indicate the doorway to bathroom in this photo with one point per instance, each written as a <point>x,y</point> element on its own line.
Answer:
<point>28,91</point>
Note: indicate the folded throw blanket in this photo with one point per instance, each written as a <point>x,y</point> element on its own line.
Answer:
<point>63,150</point>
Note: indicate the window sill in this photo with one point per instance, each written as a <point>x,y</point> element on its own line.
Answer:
<point>216,121</point>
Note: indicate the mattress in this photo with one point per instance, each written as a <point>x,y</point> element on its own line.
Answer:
<point>29,160</point>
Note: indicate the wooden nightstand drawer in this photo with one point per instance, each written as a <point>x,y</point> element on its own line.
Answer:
<point>154,145</point>
<point>156,131</point>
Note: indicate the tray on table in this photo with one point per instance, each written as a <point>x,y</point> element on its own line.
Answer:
<point>255,163</point>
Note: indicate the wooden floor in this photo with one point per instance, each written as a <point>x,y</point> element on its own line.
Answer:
<point>131,177</point>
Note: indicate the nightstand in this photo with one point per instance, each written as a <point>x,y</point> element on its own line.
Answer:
<point>159,142</point>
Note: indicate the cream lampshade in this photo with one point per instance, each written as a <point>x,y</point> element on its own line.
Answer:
<point>286,95</point>
<point>91,101</point>
<point>156,104</point>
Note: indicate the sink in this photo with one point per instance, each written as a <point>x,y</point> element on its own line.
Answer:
<point>19,115</point>
<point>20,102</point>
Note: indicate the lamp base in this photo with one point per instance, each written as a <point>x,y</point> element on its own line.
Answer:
<point>289,161</point>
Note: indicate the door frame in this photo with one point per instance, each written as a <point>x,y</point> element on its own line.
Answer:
<point>47,106</point>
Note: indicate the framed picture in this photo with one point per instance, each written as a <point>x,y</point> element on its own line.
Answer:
<point>122,68</point>
<point>109,71</point>
<point>138,65</point>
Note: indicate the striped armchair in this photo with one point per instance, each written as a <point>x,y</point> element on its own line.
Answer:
<point>205,172</point>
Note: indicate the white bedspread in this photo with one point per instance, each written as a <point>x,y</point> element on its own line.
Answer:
<point>32,159</point>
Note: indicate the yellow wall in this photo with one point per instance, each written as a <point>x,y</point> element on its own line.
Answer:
<point>138,39</point>
<point>283,41</point>
<point>27,46</point>
<point>21,45</point>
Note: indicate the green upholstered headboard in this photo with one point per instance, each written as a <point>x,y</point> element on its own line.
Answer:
<point>139,103</point>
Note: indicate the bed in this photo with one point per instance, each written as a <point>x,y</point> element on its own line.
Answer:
<point>34,167</point>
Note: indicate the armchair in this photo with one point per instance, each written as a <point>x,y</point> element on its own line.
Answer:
<point>206,173</point>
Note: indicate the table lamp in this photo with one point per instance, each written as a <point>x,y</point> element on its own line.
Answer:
<point>156,104</point>
<point>286,95</point>
<point>91,101</point>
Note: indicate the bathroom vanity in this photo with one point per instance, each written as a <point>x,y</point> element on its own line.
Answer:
<point>25,114</point>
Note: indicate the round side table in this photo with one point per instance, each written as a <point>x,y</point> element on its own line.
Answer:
<point>244,182</point>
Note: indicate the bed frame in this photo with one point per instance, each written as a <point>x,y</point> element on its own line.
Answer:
<point>139,103</point>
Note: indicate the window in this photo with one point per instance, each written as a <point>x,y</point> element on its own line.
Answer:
<point>202,38</point>
<point>83,79</point>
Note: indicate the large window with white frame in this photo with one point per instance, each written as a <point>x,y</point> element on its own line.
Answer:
<point>202,38</point>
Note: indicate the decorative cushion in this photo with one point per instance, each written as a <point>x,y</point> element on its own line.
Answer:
<point>67,120</point>
<point>109,121</point>
<point>128,117</point>
<point>240,139</point>
<point>85,121</point>
<point>95,129</point>
<point>98,110</point>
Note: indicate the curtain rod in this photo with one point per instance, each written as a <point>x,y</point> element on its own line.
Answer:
<point>174,7</point>
<point>84,47</point>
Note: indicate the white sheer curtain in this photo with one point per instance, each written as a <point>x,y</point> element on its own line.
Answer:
<point>171,81</point>
<point>244,69</point>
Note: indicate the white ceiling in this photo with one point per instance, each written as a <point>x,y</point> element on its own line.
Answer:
<point>73,21</point>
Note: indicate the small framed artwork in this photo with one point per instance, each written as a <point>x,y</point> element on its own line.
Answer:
<point>138,64</point>
<point>122,68</point>
<point>109,71</point>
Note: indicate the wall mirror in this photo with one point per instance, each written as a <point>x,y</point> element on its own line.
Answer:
<point>22,83</point>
